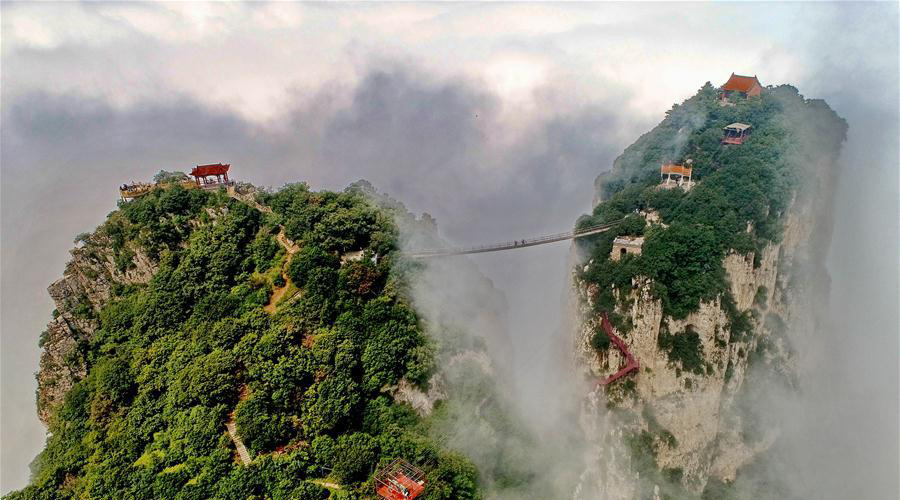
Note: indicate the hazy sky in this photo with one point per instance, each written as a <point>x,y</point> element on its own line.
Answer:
<point>495,118</point>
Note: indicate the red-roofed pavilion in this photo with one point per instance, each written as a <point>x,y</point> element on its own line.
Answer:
<point>745,86</point>
<point>214,174</point>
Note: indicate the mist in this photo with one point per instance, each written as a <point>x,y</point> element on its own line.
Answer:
<point>840,437</point>
<point>446,140</point>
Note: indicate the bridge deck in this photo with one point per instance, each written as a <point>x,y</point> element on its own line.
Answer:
<point>510,245</point>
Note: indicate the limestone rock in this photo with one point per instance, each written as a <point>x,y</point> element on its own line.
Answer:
<point>86,286</point>
<point>698,410</point>
<point>422,402</point>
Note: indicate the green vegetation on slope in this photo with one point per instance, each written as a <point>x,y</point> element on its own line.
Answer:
<point>737,204</point>
<point>173,360</point>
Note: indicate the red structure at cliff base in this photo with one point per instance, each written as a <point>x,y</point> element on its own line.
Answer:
<point>631,363</point>
<point>400,481</point>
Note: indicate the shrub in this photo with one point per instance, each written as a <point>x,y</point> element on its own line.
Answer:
<point>260,425</point>
<point>164,176</point>
<point>354,457</point>
<point>263,249</point>
<point>309,491</point>
<point>684,348</point>
<point>600,340</point>
<point>454,478</point>
<point>760,297</point>
<point>314,268</point>
<point>420,365</point>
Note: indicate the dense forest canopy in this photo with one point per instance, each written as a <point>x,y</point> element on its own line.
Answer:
<point>304,379</point>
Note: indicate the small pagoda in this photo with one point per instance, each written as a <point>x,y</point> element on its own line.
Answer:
<point>212,175</point>
<point>736,133</point>
<point>740,86</point>
<point>676,176</point>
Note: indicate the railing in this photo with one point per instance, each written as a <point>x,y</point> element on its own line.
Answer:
<point>135,190</point>
<point>214,184</point>
<point>631,364</point>
<point>509,245</point>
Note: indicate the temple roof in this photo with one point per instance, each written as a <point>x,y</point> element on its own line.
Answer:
<point>740,127</point>
<point>211,169</point>
<point>629,241</point>
<point>741,83</point>
<point>675,169</point>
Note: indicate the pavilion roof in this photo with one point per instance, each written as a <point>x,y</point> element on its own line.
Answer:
<point>741,83</point>
<point>740,127</point>
<point>211,169</point>
<point>675,169</point>
<point>629,241</point>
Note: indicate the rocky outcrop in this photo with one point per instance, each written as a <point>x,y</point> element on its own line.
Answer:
<point>691,416</point>
<point>86,286</point>
<point>421,401</point>
<point>60,366</point>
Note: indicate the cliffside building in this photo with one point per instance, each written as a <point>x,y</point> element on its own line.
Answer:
<point>624,245</point>
<point>740,86</point>
<point>736,133</point>
<point>676,176</point>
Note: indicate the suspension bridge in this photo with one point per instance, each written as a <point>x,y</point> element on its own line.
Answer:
<point>510,245</point>
<point>631,364</point>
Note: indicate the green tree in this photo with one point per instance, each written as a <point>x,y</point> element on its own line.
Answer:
<point>354,457</point>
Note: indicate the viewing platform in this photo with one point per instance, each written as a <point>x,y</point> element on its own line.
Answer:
<point>135,190</point>
<point>676,176</point>
<point>736,133</point>
<point>212,176</point>
<point>138,189</point>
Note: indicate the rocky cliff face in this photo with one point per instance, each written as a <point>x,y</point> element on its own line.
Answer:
<point>86,286</point>
<point>693,418</point>
<point>689,416</point>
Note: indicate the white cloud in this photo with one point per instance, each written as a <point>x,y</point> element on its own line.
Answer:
<point>33,26</point>
<point>248,57</point>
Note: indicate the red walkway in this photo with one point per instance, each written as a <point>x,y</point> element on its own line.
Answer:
<point>630,365</point>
